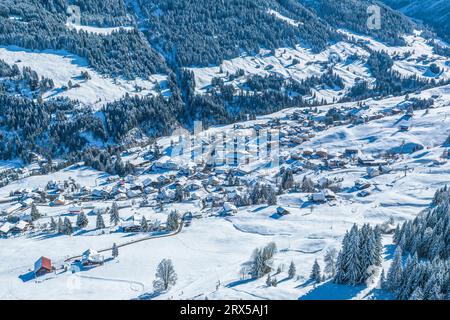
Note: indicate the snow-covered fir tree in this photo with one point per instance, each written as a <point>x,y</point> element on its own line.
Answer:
<point>315,272</point>
<point>100,223</point>
<point>115,250</point>
<point>426,244</point>
<point>35,214</point>
<point>60,226</point>
<point>173,221</point>
<point>292,270</point>
<point>144,225</point>
<point>395,273</point>
<point>82,220</point>
<point>53,225</point>
<point>67,227</point>
<point>360,254</point>
<point>114,217</point>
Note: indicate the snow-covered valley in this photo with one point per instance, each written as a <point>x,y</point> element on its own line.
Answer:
<point>208,252</point>
<point>237,150</point>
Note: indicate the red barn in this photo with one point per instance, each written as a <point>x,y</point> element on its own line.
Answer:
<point>42,266</point>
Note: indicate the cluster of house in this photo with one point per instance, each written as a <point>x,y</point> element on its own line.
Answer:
<point>10,229</point>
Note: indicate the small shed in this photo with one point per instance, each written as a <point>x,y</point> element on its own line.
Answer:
<point>362,184</point>
<point>319,197</point>
<point>229,208</point>
<point>282,211</point>
<point>75,210</point>
<point>322,152</point>
<point>329,195</point>
<point>60,200</point>
<point>42,266</point>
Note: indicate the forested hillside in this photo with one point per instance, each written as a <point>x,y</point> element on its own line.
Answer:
<point>352,15</point>
<point>41,25</point>
<point>435,13</point>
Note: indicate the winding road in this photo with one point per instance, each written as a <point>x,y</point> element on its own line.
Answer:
<point>180,228</point>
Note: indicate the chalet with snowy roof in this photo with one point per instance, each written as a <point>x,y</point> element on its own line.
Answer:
<point>319,197</point>
<point>133,193</point>
<point>372,172</point>
<point>329,195</point>
<point>92,257</point>
<point>4,229</point>
<point>165,163</point>
<point>120,197</point>
<point>12,209</point>
<point>308,152</point>
<point>229,209</point>
<point>27,202</point>
<point>365,160</point>
<point>75,210</point>
<point>404,126</point>
<point>130,226</point>
<point>322,152</point>
<point>42,266</point>
<point>101,193</point>
<point>14,228</point>
<point>282,211</point>
<point>361,184</point>
<point>59,201</point>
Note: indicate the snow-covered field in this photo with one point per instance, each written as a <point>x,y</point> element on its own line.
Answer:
<point>97,30</point>
<point>209,253</point>
<point>62,67</point>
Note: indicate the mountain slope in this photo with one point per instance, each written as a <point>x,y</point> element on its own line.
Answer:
<point>353,15</point>
<point>435,13</point>
<point>205,32</point>
<point>36,24</point>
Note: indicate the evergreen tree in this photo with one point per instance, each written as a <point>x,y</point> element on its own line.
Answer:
<point>315,273</point>
<point>272,198</point>
<point>395,273</point>
<point>354,263</point>
<point>144,225</point>
<point>82,220</point>
<point>100,223</point>
<point>67,227</point>
<point>114,217</point>
<point>269,281</point>
<point>287,180</point>
<point>35,214</point>
<point>383,280</point>
<point>53,225</point>
<point>274,282</point>
<point>307,185</point>
<point>417,294</point>
<point>292,270</point>
<point>119,167</point>
<point>179,193</point>
<point>173,221</point>
<point>115,251</point>
<point>60,226</point>
<point>261,261</point>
